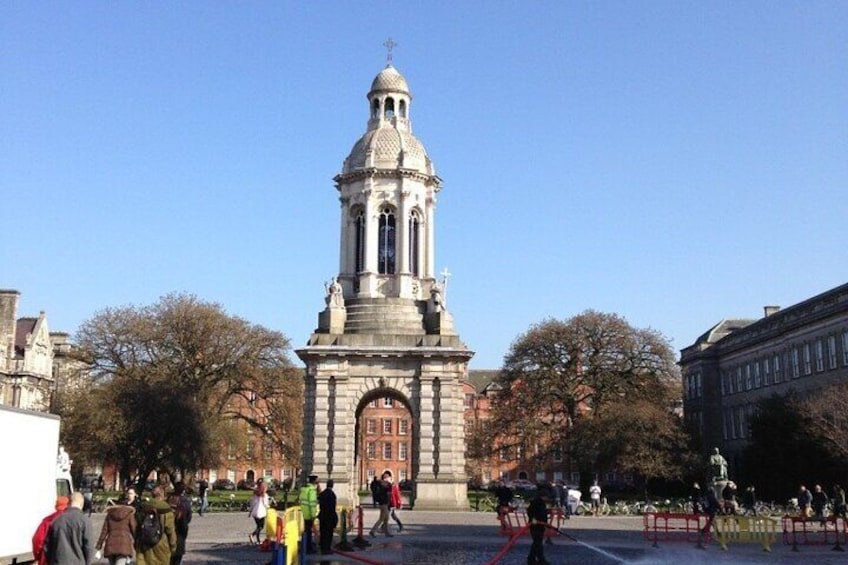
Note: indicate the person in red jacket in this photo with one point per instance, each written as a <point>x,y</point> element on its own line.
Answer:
<point>395,503</point>
<point>40,534</point>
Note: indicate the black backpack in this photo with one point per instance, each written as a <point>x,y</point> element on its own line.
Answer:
<point>150,529</point>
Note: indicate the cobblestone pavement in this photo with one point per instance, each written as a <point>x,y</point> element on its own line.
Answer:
<point>470,538</point>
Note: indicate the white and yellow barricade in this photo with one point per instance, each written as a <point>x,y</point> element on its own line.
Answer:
<point>746,529</point>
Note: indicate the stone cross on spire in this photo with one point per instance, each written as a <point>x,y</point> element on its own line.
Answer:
<point>389,45</point>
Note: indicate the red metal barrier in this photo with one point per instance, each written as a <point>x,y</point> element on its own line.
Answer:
<point>513,522</point>
<point>798,530</point>
<point>666,526</point>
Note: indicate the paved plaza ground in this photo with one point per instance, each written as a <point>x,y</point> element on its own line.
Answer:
<point>472,538</point>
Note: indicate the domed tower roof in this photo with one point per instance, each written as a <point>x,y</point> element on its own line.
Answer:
<point>388,142</point>
<point>389,80</point>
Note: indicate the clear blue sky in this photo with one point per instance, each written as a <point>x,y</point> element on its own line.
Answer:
<point>673,162</point>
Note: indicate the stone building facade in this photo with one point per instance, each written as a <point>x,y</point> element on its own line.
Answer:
<point>26,356</point>
<point>736,363</point>
<point>386,331</point>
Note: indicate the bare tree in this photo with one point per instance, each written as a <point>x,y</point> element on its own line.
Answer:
<point>165,379</point>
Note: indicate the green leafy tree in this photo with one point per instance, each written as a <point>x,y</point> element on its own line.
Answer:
<point>595,382</point>
<point>168,383</point>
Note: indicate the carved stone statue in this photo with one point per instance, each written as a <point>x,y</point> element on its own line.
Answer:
<point>437,300</point>
<point>63,460</point>
<point>718,466</point>
<point>334,297</point>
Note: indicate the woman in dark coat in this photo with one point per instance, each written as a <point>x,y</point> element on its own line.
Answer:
<point>117,535</point>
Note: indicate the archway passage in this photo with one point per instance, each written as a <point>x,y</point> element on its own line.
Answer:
<point>385,436</point>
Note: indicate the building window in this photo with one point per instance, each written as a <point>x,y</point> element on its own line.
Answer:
<point>724,425</point>
<point>403,451</point>
<point>403,427</point>
<point>831,351</point>
<point>767,371</point>
<point>723,383</point>
<point>748,381</point>
<point>387,402</point>
<point>698,390</point>
<point>575,477</point>
<point>386,242</point>
<point>557,455</point>
<point>540,476</point>
<point>387,450</point>
<point>372,450</point>
<point>796,369</point>
<point>371,426</point>
<point>738,379</point>
<point>469,400</point>
<point>360,242</point>
<point>776,367</point>
<point>819,355</point>
<point>372,404</point>
<point>808,362</point>
<point>845,348</point>
<point>487,476</point>
<point>758,378</point>
<point>414,243</point>
<point>387,426</point>
<point>370,474</point>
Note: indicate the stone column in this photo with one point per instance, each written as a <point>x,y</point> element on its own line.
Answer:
<point>430,262</point>
<point>426,434</point>
<point>321,450</point>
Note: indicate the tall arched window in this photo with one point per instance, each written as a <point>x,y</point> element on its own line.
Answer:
<point>386,247</point>
<point>414,238</point>
<point>360,242</point>
<point>375,109</point>
<point>390,107</point>
<point>402,108</point>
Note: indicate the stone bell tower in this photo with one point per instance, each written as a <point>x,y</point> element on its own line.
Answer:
<point>386,330</point>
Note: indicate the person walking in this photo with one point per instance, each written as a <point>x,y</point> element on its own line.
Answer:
<point>69,540</point>
<point>181,505</point>
<point>259,504</point>
<point>156,509</point>
<point>117,536</point>
<point>537,517</point>
<point>711,507</point>
<point>805,499</point>
<point>819,503</point>
<point>395,503</point>
<point>696,497</point>
<point>839,507</point>
<point>328,518</point>
<point>749,501</point>
<point>308,500</point>
<point>381,495</point>
<point>203,492</point>
<point>40,535</point>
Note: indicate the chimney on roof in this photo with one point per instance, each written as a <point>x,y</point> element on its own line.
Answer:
<point>769,310</point>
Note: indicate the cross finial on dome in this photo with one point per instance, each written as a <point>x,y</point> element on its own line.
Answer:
<point>389,45</point>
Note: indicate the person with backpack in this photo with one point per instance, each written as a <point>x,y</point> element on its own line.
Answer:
<point>181,505</point>
<point>156,538</point>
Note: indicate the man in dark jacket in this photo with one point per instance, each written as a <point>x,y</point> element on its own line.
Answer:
<point>328,518</point>
<point>537,517</point>
<point>69,540</point>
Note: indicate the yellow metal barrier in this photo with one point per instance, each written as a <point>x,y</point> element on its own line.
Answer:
<point>746,529</point>
<point>288,532</point>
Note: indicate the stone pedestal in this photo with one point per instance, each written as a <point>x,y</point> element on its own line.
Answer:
<point>439,494</point>
<point>332,320</point>
<point>439,323</point>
